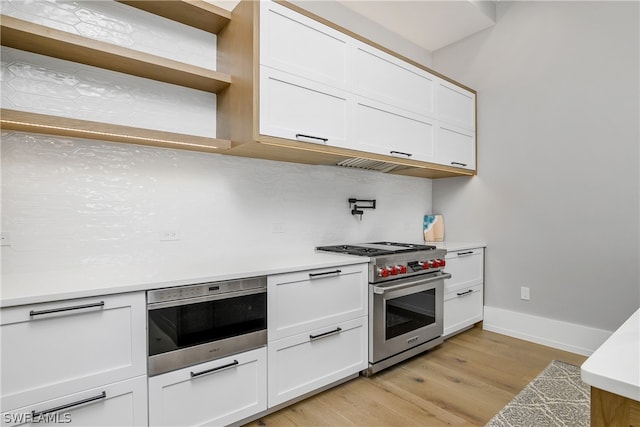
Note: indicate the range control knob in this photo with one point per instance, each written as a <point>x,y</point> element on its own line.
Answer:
<point>383,272</point>
<point>441,262</point>
<point>425,265</point>
<point>402,269</point>
<point>394,270</point>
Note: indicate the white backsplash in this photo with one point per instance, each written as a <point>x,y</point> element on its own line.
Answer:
<point>73,204</point>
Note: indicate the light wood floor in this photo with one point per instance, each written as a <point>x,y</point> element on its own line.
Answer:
<point>463,382</point>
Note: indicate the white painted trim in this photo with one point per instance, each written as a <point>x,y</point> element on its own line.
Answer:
<point>567,336</point>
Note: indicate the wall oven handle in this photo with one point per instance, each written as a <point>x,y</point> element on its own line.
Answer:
<point>102,395</point>
<point>208,371</point>
<point>325,334</point>
<point>324,274</point>
<point>382,290</point>
<point>58,310</point>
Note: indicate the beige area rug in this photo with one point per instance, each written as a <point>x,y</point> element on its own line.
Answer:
<point>556,397</point>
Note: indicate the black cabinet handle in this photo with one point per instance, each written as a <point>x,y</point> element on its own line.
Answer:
<point>326,273</point>
<point>102,395</point>
<point>459,164</point>
<point>208,371</point>
<point>465,292</point>
<point>325,334</point>
<point>465,253</point>
<point>58,310</point>
<point>400,153</point>
<point>300,135</point>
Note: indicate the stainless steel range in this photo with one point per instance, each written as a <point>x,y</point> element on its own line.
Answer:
<point>406,298</point>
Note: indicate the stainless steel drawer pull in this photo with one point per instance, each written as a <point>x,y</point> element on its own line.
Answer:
<point>300,135</point>
<point>58,310</point>
<point>326,273</point>
<point>459,164</point>
<point>465,253</point>
<point>208,371</point>
<point>102,395</point>
<point>325,334</point>
<point>400,153</point>
<point>465,292</point>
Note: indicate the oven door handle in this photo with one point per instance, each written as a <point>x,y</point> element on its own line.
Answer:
<point>382,290</point>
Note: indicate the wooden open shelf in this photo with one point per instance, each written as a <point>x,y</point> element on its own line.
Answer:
<point>195,13</point>
<point>35,38</point>
<point>63,126</point>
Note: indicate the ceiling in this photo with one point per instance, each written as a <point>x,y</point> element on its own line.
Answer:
<point>429,24</point>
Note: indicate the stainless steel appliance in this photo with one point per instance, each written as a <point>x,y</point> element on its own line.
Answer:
<point>406,299</point>
<point>195,323</point>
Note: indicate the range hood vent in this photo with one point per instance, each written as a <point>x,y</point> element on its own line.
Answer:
<point>372,165</point>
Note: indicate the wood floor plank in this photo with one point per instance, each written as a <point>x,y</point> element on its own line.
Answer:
<point>464,382</point>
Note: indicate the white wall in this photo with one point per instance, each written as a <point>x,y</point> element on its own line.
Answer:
<point>556,198</point>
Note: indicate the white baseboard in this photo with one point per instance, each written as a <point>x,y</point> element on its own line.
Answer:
<point>567,336</point>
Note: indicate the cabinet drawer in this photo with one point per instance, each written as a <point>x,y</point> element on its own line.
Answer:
<point>54,349</point>
<point>298,302</point>
<point>466,268</point>
<point>119,404</point>
<point>308,361</point>
<point>462,308</point>
<point>299,45</point>
<point>221,392</point>
<point>295,108</point>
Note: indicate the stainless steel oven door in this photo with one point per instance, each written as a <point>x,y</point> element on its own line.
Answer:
<point>404,314</point>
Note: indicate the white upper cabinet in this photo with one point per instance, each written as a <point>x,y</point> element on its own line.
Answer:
<point>456,105</point>
<point>385,78</point>
<point>456,147</point>
<point>299,45</point>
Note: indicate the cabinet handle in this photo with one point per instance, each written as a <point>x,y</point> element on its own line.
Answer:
<point>459,164</point>
<point>465,253</point>
<point>300,135</point>
<point>58,310</point>
<point>102,395</point>
<point>325,334</point>
<point>208,371</point>
<point>326,273</point>
<point>400,153</point>
<point>465,292</point>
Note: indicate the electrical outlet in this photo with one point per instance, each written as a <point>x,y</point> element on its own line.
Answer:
<point>5,238</point>
<point>169,235</point>
<point>278,227</point>
<point>524,293</point>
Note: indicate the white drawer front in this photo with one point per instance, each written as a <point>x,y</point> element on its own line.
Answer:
<point>298,302</point>
<point>462,308</point>
<point>299,109</point>
<point>301,364</point>
<point>119,404</point>
<point>297,44</point>
<point>234,390</point>
<point>466,268</point>
<point>54,354</point>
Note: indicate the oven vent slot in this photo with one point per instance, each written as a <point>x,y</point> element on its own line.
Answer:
<point>373,165</point>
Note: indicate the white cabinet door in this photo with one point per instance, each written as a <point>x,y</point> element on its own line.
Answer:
<point>382,129</point>
<point>462,308</point>
<point>119,404</point>
<point>387,79</point>
<point>456,106</point>
<point>295,108</point>
<point>301,301</point>
<point>55,349</point>
<point>303,363</point>
<point>299,45</point>
<point>455,147</point>
<point>214,393</point>
<point>466,267</point>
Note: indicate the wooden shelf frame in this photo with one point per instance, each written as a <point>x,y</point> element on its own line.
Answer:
<point>39,39</point>
<point>195,13</point>
<point>62,126</point>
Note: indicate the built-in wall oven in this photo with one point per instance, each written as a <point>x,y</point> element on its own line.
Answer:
<point>406,299</point>
<point>196,323</point>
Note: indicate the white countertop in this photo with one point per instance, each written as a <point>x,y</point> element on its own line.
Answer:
<point>615,365</point>
<point>456,246</point>
<point>43,286</point>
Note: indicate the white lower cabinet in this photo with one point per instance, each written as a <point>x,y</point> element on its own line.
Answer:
<point>463,293</point>
<point>305,362</point>
<point>214,393</point>
<point>118,404</point>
